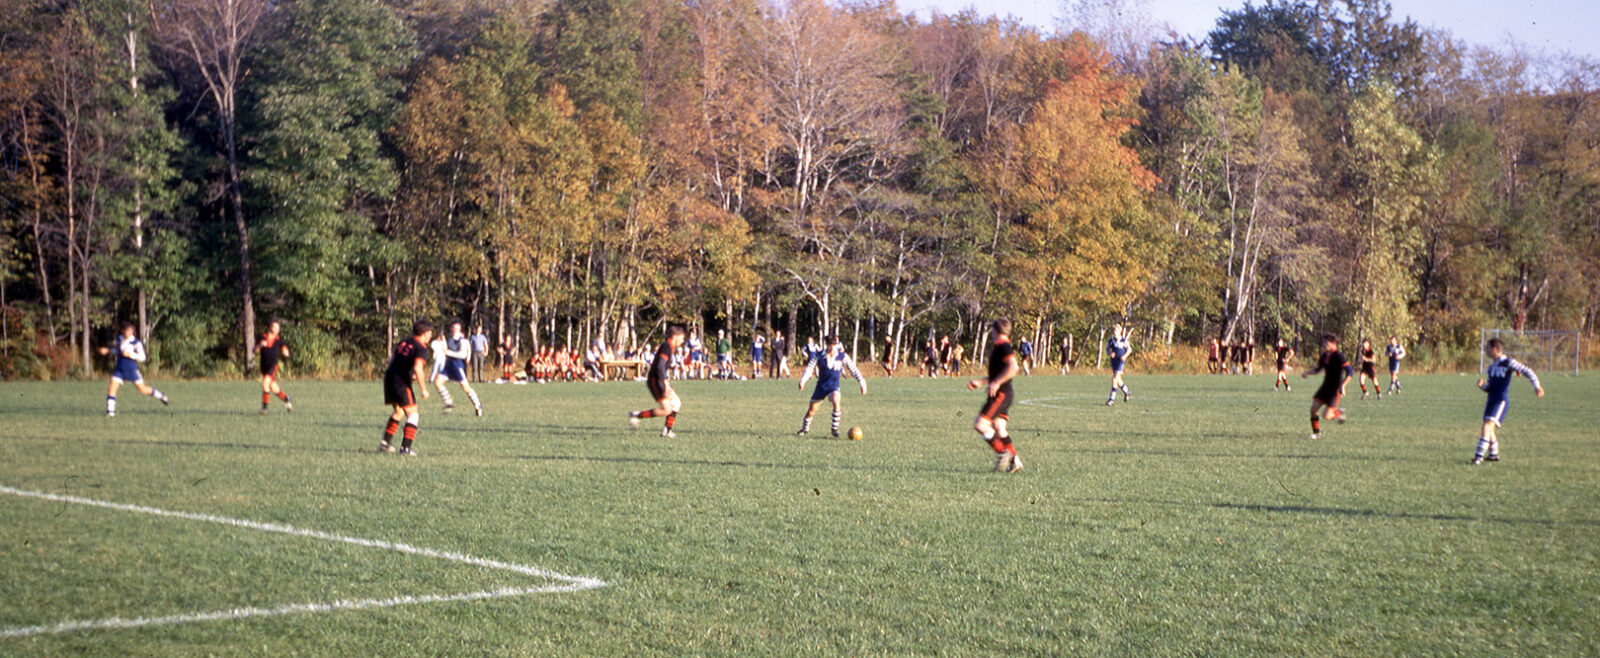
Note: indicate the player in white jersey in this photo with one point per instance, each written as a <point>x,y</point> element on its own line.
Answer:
<point>130,353</point>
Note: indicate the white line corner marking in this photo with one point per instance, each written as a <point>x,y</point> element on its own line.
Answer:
<point>567,583</point>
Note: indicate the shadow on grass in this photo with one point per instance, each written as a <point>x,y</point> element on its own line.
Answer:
<point>1349,512</point>
<point>170,443</point>
<point>734,463</point>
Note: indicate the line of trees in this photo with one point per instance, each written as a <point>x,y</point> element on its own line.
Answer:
<point>599,168</point>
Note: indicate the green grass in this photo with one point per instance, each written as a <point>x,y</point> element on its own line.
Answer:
<point>1196,520</point>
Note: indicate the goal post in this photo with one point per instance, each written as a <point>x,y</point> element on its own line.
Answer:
<point>1546,350</point>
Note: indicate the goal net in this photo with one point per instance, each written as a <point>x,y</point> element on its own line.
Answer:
<point>1552,351</point>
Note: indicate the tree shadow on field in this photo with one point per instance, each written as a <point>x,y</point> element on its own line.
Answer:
<point>734,463</point>
<point>170,443</point>
<point>1349,512</point>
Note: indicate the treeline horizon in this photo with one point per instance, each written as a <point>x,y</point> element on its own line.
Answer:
<point>575,169</point>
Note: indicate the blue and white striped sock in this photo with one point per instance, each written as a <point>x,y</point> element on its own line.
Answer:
<point>1483,447</point>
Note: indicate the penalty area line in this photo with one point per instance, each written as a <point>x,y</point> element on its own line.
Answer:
<point>570,583</point>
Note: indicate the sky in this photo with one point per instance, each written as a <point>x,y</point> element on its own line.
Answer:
<point>1550,25</point>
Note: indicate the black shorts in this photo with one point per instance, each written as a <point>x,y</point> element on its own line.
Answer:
<point>1370,370</point>
<point>1326,395</point>
<point>998,406</point>
<point>398,392</point>
<point>269,371</point>
<point>658,389</point>
<point>1282,366</point>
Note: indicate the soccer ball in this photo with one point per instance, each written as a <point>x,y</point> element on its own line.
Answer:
<point>855,434</point>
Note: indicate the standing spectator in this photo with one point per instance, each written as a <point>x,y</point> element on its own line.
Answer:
<point>780,355</point>
<point>888,354</point>
<point>756,346</point>
<point>930,359</point>
<point>480,352</point>
<point>1066,355</point>
<point>1025,355</point>
<point>724,355</point>
<point>944,354</point>
<point>957,353</point>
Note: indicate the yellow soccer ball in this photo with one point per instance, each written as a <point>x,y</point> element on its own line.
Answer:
<point>855,434</point>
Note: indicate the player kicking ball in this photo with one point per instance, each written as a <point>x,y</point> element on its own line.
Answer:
<point>1498,385</point>
<point>406,366</point>
<point>992,419</point>
<point>130,353</point>
<point>659,382</point>
<point>1119,348</point>
<point>456,350</point>
<point>1336,372</point>
<point>828,365</point>
<point>273,351</point>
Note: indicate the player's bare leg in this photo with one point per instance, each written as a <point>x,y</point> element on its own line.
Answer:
<point>991,431</point>
<point>667,407</point>
<point>472,394</point>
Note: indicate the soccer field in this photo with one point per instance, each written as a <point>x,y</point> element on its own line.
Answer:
<point>1196,519</point>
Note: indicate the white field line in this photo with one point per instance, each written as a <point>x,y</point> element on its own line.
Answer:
<point>572,583</point>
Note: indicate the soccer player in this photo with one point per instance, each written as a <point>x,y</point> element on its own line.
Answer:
<point>406,366</point>
<point>272,351</point>
<point>1025,355</point>
<point>992,418</point>
<point>944,354</point>
<point>457,349</point>
<point>130,353</point>
<point>1498,385</point>
<point>1369,368</point>
<point>1336,372</point>
<point>828,364</point>
<point>508,360</point>
<point>930,359</point>
<point>1119,348</point>
<point>1285,353</point>
<point>1396,354</point>
<point>667,403</point>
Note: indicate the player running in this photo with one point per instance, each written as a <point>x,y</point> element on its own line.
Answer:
<point>456,350</point>
<point>1396,354</point>
<point>273,351</point>
<point>130,353</point>
<point>1119,348</point>
<point>992,418</point>
<point>406,366</point>
<point>1369,368</point>
<point>1336,372</point>
<point>828,365</point>
<point>661,385</point>
<point>1498,385</point>
<point>1285,354</point>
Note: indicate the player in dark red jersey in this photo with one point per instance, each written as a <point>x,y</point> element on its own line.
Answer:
<point>1369,368</point>
<point>992,418</point>
<point>409,364</point>
<point>273,351</point>
<point>1285,355</point>
<point>660,383</point>
<point>1336,372</point>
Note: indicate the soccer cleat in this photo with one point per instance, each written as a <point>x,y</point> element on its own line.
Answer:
<point>1363,395</point>
<point>289,407</point>
<point>449,408</point>
<point>1475,461</point>
<point>1016,464</point>
<point>1287,388</point>
<point>1111,402</point>
<point>479,409</point>
<point>802,432</point>
<point>668,434</point>
<point>1316,435</point>
<point>1492,458</point>
<point>263,411</point>
<point>1002,462</point>
<point>408,452</point>
<point>111,414</point>
<point>633,420</point>
<point>836,434</point>
<point>165,401</point>
<point>386,447</point>
<point>1380,397</point>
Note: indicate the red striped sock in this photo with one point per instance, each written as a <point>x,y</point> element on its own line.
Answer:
<point>671,419</point>
<point>264,399</point>
<point>388,432</point>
